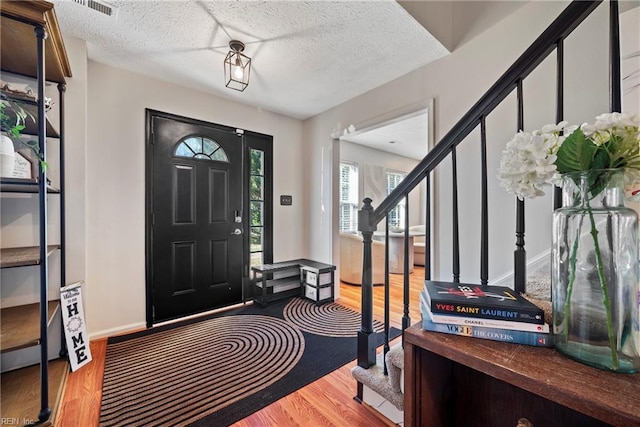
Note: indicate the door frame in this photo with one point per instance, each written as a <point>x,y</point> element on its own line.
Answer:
<point>249,140</point>
<point>376,122</point>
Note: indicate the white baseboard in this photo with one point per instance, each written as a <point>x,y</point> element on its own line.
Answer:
<point>106,333</point>
<point>134,327</point>
<point>534,264</point>
<point>383,406</point>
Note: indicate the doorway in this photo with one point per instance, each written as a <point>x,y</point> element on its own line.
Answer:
<point>198,215</point>
<point>378,153</point>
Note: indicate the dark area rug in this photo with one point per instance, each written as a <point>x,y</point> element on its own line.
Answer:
<point>218,369</point>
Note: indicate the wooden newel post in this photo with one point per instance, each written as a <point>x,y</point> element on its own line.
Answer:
<point>366,337</point>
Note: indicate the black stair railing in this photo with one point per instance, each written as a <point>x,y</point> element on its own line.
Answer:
<point>369,218</point>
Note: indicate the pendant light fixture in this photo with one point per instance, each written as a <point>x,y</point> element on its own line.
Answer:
<point>237,67</point>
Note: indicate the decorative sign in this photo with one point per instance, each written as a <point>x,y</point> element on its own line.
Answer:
<point>23,167</point>
<point>74,325</point>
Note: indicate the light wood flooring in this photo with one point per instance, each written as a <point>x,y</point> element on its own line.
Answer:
<point>325,402</point>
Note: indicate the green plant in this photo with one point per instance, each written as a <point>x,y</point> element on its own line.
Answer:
<point>13,120</point>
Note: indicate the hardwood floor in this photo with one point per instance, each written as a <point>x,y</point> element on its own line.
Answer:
<point>325,402</point>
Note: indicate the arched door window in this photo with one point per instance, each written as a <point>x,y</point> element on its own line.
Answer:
<point>198,147</point>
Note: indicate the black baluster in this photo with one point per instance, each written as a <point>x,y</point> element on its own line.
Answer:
<point>520,255</point>
<point>386,292</point>
<point>615,83</point>
<point>557,191</point>
<point>456,239</point>
<point>427,231</point>
<point>406,320</point>
<point>484,215</point>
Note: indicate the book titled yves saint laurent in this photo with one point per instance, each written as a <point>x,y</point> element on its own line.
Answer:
<point>484,302</point>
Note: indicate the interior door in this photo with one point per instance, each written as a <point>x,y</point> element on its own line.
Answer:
<point>197,231</point>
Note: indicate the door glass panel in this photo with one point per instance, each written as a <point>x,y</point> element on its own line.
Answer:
<point>257,162</point>
<point>256,188</point>
<point>219,155</point>
<point>256,214</point>
<point>209,146</point>
<point>256,239</point>
<point>183,150</point>
<point>200,148</point>
<point>195,144</point>
<point>257,258</point>
<point>256,207</point>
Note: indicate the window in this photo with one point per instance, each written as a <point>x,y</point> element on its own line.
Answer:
<point>256,207</point>
<point>197,147</point>
<point>348,197</point>
<point>396,216</point>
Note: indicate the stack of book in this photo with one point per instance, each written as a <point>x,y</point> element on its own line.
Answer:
<point>489,312</point>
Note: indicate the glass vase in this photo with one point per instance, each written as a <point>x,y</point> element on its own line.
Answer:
<point>595,272</point>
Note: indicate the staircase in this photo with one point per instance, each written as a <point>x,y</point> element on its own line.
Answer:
<point>385,380</point>
<point>383,391</point>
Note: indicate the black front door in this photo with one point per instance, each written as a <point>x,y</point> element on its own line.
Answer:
<point>196,207</point>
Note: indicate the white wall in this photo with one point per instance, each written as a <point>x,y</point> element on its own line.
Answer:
<point>456,82</point>
<point>75,172</point>
<point>115,183</point>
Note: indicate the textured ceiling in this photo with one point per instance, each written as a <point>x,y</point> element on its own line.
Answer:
<point>307,56</point>
<point>404,137</point>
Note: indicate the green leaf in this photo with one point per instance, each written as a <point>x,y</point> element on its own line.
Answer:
<point>600,160</point>
<point>576,153</point>
<point>597,183</point>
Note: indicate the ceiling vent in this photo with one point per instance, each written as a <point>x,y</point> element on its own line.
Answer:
<point>99,6</point>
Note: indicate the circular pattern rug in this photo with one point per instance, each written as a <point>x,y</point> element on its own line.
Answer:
<point>329,320</point>
<point>188,372</point>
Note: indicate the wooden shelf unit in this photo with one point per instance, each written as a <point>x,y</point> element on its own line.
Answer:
<point>21,325</point>
<point>23,186</point>
<point>26,25</point>
<point>24,256</point>
<point>454,380</point>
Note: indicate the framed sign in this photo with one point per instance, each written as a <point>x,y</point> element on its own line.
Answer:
<point>25,166</point>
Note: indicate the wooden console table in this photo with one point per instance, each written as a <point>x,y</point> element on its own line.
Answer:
<point>461,381</point>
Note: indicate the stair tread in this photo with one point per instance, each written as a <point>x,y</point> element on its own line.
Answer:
<point>375,379</point>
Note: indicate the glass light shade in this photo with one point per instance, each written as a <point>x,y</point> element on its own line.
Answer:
<point>237,68</point>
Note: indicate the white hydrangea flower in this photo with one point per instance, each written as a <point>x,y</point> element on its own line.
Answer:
<point>608,125</point>
<point>528,162</point>
<point>554,128</point>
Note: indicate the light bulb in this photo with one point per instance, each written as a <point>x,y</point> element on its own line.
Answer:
<point>238,73</point>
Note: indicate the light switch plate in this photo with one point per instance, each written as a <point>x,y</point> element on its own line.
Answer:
<point>286,200</point>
